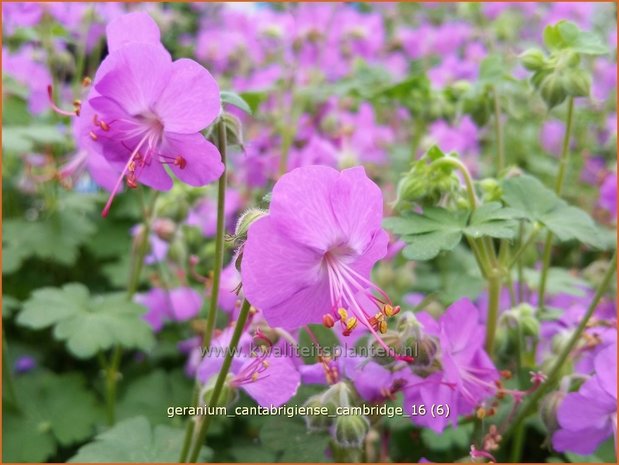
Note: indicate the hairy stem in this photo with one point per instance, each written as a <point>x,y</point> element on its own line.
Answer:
<point>531,403</point>
<point>560,181</point>
<point>219,384</point>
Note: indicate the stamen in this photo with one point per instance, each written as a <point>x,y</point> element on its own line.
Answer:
<point>328,321</point>
<point>130,181</point>
<point>55,107</point>
<point>93,136</point>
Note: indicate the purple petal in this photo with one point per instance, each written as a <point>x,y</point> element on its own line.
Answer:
<point>138,74</point>
<point>202,159</point>
<point>132,27</point>
<point>186,303</point>
<point>276,385</point>
<point>190,100</point>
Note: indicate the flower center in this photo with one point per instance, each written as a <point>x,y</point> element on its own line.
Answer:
<point>351,294</point>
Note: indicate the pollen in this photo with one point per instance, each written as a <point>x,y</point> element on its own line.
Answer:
<point>342,313</point>
<point>328,321</point>
<point>382,327</point>
<point>265,364</point>
<point>93,136</point>
<point>180,161</point>
<point>254,376</point>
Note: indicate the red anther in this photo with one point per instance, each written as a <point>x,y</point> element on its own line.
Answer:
<point>506,374</point>
<point>103,125</point>
<point>328,320</point>
<point>180,162</point>
<point>92,135</point>
<point>132,182</point>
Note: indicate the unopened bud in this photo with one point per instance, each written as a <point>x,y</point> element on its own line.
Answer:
<point>533,59</point>
<point>548,410</point>
<point>577,82</point>
<point>350,430</point>
<point>552,90</point>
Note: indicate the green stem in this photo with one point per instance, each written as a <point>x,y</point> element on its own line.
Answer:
<point>523,247</point>
<point>541,291</point>
<point>142,246</point>
<point>111,370</point>
<point>111,379</point>
<point>219,262</point>
<point>563,162</point>
<point>8,372</point>
<point>494,293</point>
<point>219,237</point>
<point>498,131</point>
<point>468,180</point>
<point>530,405</point>
<point>221,378</point>
<point>560,181</point>
<point>517,444</point>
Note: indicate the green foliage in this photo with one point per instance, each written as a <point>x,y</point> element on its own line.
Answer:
<point>292,442</point>
<point>136,440</point>
<point>22,139</point>
<point>438,229</point>
<point>236,100</point>
<point>537,203</point>
<point>326,338</point>
<point>85,323</point>
<point>55,410</point>
<point>149,394</point>
<point>567,35</point>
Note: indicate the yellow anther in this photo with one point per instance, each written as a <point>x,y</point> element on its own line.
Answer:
<point>342,313</point>
<point>265,364</point>
<point>382,327</point>
<point>351,323</point>
<point>254,377</point>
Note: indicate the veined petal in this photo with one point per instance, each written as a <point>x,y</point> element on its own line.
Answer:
<point>190,100</point>
<point>202,161</point>
<point>131,27</point>
<point>137,75</point>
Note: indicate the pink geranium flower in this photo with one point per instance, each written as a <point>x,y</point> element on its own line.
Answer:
<point>309,259</point>
<point>149,110</point>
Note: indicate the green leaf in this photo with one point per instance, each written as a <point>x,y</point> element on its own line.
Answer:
<point>149,394</point>
<point>54,410</point>
<point>326,338</point>
<point>494,220</point>
<point>9,305</point>
<point>584,42</point>
<point>537,203</point>
<point>559,281</point>
<point>451,438</point>
<point>254,99</point>
<point>25,138</point>
<point>291,439</point>
<point>87,324</point>
<point>57,237</point>
<point>135,440</point>
<point>567,35</point>
<point>439,229</point>
<point>236,100</point>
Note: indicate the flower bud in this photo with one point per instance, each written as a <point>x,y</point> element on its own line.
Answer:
<point>491,189</point>
<point>319,422</point>
<point>350,430</point>
<point>553,90</point>
<point>234,129</point>
<point>226,397</point>
<point>577,82</point>
<point>427,350</point>
<point>245,221</point>
<point>548,410</point>
<point>164,228</point>
<point>533,59</point>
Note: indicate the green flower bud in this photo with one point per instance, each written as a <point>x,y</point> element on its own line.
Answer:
<point>246,220</point>
<point>533,59</point>
<point>319,422</point>
<point>226,397</point>
<point>577,82</point>
<point>553,90</point>
<point>234,129</point>
<point>350,430</point>
<point>491,189</point>
<point>548,410</point>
